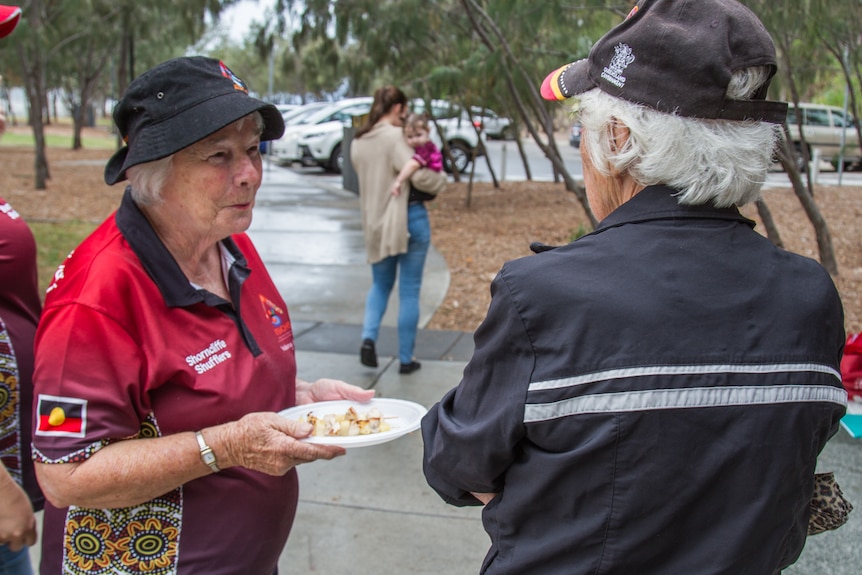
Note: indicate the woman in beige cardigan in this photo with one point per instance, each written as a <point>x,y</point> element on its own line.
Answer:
<point>397,230</point>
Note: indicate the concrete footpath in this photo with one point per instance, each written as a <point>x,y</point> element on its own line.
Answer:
<point>371,512</point>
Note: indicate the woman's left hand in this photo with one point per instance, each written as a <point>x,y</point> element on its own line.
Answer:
<point>330,390</point>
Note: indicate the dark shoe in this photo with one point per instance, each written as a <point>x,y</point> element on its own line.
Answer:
<point>409,367</point>
<point>367,354</point>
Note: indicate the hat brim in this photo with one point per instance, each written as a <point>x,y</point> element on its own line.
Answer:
<point>567,81</point>
<point>168,137</point>
<point>9,17</point>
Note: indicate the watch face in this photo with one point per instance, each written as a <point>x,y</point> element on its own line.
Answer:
<point>209,458</point>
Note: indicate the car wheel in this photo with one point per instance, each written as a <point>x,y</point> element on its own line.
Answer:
<point>336,160</point>
<point>508,133</point>
<point>461,156</point>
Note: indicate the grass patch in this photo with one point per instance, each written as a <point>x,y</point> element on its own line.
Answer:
<point>54,241</point>
<point>106,142</point>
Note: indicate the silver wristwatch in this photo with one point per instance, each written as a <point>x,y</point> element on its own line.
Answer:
<point>207,455</point>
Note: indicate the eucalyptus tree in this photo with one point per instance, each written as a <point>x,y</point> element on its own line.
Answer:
<point>69,43</point>
<point>31,41</point>
<point>793,25</point>
<point>81,46</point>
<point>840,32</point>
<point>147,33</point>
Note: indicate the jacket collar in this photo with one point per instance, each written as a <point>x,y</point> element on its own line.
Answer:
<point>660,202</point>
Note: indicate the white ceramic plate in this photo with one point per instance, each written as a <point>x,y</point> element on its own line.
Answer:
<point>403,416</point>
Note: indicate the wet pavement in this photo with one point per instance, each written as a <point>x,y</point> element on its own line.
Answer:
<point>371,511</point>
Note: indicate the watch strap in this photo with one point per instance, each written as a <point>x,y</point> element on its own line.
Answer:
<point>207,455</point>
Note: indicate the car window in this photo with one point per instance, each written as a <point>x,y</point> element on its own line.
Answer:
<point>791,116</point>
<point>440,110</point>
<point>816,117</point>
<point>840,120</point>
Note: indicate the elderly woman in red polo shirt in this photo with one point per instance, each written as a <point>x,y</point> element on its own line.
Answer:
<point>165,351</point>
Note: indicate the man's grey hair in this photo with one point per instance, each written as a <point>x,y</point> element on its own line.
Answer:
<point>709,161</point>
<point>148,179</point>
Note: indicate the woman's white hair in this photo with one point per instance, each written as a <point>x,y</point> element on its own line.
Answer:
<point>148,179</point>
<point>718,161</point>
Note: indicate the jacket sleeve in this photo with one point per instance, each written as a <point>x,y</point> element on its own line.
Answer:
<point>471,437</point>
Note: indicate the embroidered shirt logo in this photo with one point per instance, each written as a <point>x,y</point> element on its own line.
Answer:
<point>279,321</point>
<point>613,72</point>
<point>61,416</point>
<point>9,211</point>
<point>203,361</point>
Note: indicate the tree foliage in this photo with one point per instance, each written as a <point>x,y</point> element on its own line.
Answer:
<point>482,53</point>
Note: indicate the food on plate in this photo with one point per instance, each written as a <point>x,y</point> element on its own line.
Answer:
<point>348,423</point>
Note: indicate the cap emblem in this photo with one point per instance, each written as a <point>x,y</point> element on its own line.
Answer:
<point>613,72</point>
<point>237,83</point>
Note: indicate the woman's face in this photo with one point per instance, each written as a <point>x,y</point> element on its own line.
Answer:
<point>211,190</point>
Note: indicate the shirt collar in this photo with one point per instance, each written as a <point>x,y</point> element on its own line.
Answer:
<point>661,202</point>
<point>158,261</point>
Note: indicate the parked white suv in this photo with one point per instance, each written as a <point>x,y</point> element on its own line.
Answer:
<point>822,127</point>
<point>316,140</point>
<point>461,136</point>
<point>494,125</point>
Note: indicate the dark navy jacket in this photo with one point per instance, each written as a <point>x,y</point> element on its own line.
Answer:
<point>650,399</point>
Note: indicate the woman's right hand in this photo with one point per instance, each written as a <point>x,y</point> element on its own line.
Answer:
<point>266,442</point>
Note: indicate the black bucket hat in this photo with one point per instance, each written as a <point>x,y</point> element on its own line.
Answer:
<point>178,103</point>
<point>677,56</point>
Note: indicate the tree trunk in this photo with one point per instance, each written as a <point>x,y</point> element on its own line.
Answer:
<point>31,65</point>
<point>768,223</point>
<point>550,149</point>
<point>821,230</point>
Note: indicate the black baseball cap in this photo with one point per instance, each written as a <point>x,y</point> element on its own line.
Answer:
<point>677,56</point>
<point>178,103</point>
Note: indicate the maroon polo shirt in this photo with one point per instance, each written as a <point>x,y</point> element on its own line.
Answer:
<point>20,307</point>
<point>128,349</point>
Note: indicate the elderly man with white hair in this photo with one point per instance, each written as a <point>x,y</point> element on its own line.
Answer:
<point>652,398</point>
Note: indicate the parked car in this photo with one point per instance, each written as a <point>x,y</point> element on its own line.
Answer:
<point>285,108</point>
<point>492,124</point>
<point>315,139</point>
<point>575,135</point>
<point>291,116</point>
<point>822,127</point>
<point>300,113</point>
<point>321,143</point>
<point>459,132</point>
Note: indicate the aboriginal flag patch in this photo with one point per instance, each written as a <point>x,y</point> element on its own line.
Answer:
<point>61,416</point>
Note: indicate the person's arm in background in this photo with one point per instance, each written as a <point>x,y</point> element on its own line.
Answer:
<point>408,170</point>
<point>17,521</point>
<point>429,181</point>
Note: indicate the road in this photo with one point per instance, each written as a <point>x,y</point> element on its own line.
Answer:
<point>507,165</point>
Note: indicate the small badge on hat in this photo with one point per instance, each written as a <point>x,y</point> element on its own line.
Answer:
<point>237,83</point>
<point>613,72</point>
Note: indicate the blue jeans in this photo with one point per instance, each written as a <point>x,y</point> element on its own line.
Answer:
<point>383,273</point>
<point>15,562</point>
